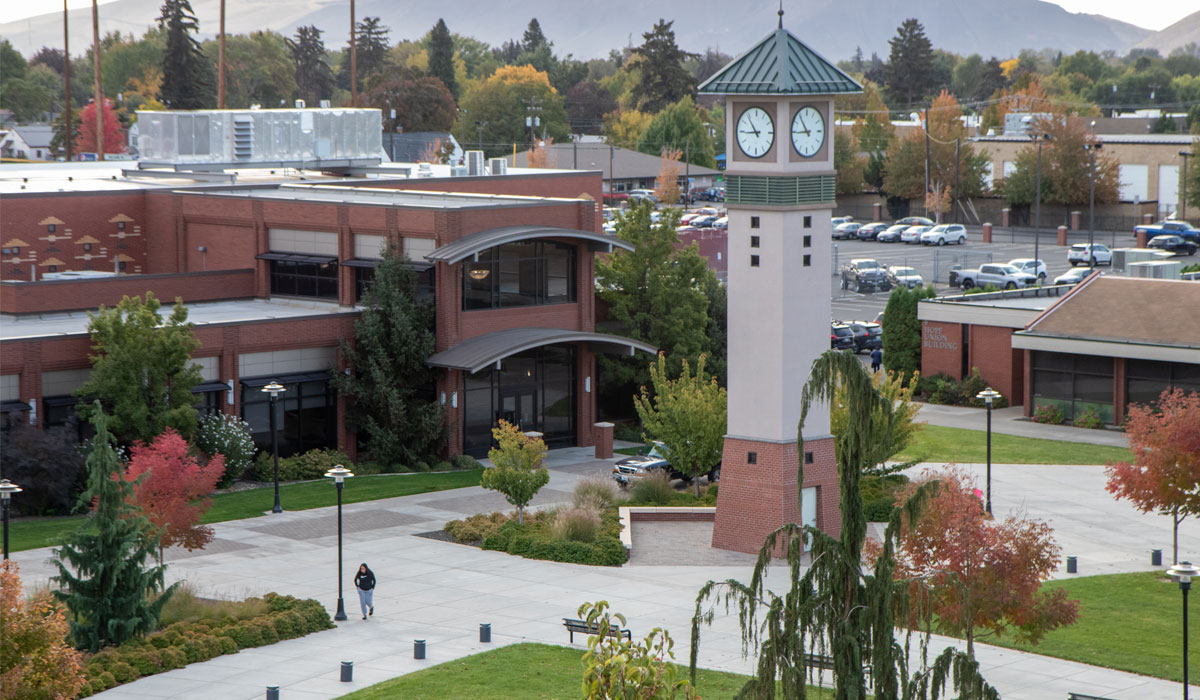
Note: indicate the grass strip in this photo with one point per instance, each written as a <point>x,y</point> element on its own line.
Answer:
<point>936,443</point>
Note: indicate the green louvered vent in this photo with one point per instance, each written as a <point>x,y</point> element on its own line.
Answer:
<point>779,191</point>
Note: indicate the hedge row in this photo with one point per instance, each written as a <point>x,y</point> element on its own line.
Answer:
<point>533,540</point>
<point>186,643</point>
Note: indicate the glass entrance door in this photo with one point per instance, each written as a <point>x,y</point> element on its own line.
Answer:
<point>519,406</point>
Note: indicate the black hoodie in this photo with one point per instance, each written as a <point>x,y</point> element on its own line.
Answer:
<point>364,580</point>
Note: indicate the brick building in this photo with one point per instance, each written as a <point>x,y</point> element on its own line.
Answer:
<point>272,264</point>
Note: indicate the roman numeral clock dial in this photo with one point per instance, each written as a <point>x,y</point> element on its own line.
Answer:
<point>755,132</point>
<point>808,131</point>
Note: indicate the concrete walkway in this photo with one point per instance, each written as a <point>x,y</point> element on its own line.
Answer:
<point>1011,421</point>
<point>441,592</point>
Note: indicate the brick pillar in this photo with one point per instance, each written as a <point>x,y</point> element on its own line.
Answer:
<point>1076,216</point>
<point>1005,218</point>
<point>878,210</point>
<point>1141,237</point>
<point>1062,235</point>
<point>1028,381</point>
<point>987,233</point>
<point>1147,219</point>
<point>604,440</point>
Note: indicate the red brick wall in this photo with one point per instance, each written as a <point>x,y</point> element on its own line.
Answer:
<point>941,349</point>
<point>79,219</point>
<point>989,348</point>
<point>72,295</point>
<point>713,245</point>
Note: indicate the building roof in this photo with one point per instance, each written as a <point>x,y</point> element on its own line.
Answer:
<point>35,135</point>
<point>467,246</point>
<point>1139,139</point>
<point>627,164</point>
<point>1014,308</point>
<point>780,64</point>
<point>480,352</point>
<point>343,193</point>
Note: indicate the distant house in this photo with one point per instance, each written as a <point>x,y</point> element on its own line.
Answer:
<point>631,170</point>
<point>31,142</point>
<point>414,146</point>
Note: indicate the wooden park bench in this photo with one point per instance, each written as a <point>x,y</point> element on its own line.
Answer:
<point>583,627</point>
<point>825,663</point>
<point>1084,696</point>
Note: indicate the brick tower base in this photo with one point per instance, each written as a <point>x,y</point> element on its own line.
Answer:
<point>758,491</point>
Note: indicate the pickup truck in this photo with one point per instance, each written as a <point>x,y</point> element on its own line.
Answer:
<point>1175,228</point>
<point>1003,276</point>
<point>865,274</point>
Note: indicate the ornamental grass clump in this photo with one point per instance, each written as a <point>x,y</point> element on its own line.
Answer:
<point>576,525</point>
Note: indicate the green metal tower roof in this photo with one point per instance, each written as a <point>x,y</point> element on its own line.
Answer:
<point>780,64</point>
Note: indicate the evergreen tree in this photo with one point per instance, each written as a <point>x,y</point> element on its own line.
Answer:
<point>441,56</point>
<point>391,404</point>
<point>909,72</point>
<point>993,79</point>
<point>665,80</point>
<point>314,79</point>
<point>112,593</point>
<point>902,341</point>
<point>533,38</point>
<point>371,47</point>
<point>189,81</point>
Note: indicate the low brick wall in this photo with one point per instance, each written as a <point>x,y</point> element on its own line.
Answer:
<point>689,514</point>
<point>46,296</point>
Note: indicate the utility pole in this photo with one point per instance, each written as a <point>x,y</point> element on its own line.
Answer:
<point>532,120</point>
<point>957,179</point>
<point>1037,215</point>
<point>479,128</point>
<point>1182,187</point>
<point>99,86</point>
<point>687,171</point>
<point>1092,148</point>
<point>612,200</point>
<point>575,153</point>
<point>353,61</point>
<point>221,62</point>
<point>926,162</point>
<point>68,132</point>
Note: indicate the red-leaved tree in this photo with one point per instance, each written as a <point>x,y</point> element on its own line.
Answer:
<point>114,138</point>
<point>981,577</point>
<point>1165,473</point>
<point>173,489</point>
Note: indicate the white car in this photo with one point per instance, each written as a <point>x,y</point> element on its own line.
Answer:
<point>846,230</point>
<point>839,220</point>
<point>722,222</point>
<point>905,276</point>
<point>945,233</point>
<point>1099,255</point>
<point>891,234</point>
<point>1030,265</point>
<point>912,234</point>
<point>1073,276</point>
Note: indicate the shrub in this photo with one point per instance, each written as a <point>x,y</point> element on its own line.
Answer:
<point>123,672</point>
<point>943,389</point>
<point>245,635</point>
<point>1089,419</point>
<point>535,540</point>
<point>228,435</point>
<point>173,657</point>
<point>652,490</point>
<point>475,528</point>
<point>879,495</point>
<point>49,465</point>
<point>302,467</point>
<point>597,492</point>
<point>420,466</point>
<point>576,524</point>
<point>443,466</point>
<point>1049,413</point>
<point>465,462</point>
<point>629,432</point>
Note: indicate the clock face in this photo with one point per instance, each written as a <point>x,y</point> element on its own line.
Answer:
<point>808,131</point>
<point>755,132</point>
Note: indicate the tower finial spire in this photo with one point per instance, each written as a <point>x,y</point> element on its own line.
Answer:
<point>781,14</point>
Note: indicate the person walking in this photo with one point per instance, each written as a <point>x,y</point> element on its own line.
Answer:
<point>876,360</point>
<point>364,581</point>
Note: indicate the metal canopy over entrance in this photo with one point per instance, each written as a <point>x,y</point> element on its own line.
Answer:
<point>481,351</point>
<point>469,246</point>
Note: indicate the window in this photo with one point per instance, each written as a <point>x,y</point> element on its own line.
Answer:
<point>807,241</point>
<point>304,279</point>
<point>753,261</point>
<point>808,458</point>
<point>306,415</point>
<point>87,247</point>
<point>1073,383</point>
<point>529,273</point>
<point>52,268</point>
<point>364,277</point>
<point>120,225</point>
<point>751,458</point>
<point>423,289</point>
<point>50,228</point>
<point>209,402</point>
<point>808,222</point>
<point>754,241</point>
<point>1145,380</point>
<point>122,265</point>
<point>808,261</point>
<point>754,222</point>
<point>533,389</point>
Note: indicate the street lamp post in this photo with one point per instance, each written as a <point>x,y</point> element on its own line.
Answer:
<point>989,395</point>
<point>1091,149</point>
<point>1184,572</point>
<point>275,389</point>
<point>339,474</point>
<point>1040,137</point>
<point>7,489</point>
<point>1183,200</point>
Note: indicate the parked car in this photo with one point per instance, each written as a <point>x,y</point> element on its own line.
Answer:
<point>865,274</point>
<point>867,335</point>
<point>838,220</point>
<point>1175,244</point>
<point>860,335</point>
<point>616,198</point>
<point>638,196</point>
<point>891,234</point>
<point>912,234</point>
<point>905,277</point>
<point>1036,268</point>
<point>841,337</point>
<point>1073,276</point>
<point>630,469</point>
<point>707,211</point>
<point>846,230</point>
<point>868,232</point>
<point>1169,227</point>
<point>722,223</point>
<point>1002,276</point>
<point>689,217</point>
<point>914,221</point>
<point>945,233</point>
<point>711,194</point>
<point>705,221</point>
<point>1099,254</point>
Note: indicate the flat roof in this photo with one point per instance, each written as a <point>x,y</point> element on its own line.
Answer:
<point>1007,309</point>
<point>49,325</point>
<point>349,194</point>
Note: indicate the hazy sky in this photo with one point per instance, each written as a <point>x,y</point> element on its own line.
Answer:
<point>1151,14</point>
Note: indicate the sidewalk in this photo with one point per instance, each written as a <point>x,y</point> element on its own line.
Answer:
<point>441,592</point>
<point>1010,421</point>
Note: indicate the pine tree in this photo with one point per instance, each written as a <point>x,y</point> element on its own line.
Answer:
<point>314,78</point>
<point>533,38</point>
<point>371,47</point>
<point>441,56</point>
<point>103,571</point>
<point>391,406</point>
<point>902,341</point>
<point>189,80</point>
<point>665,80</point>
<point>909,72</point>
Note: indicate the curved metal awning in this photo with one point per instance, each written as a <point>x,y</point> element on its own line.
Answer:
<point>483,351</point>
<point>467,247</point>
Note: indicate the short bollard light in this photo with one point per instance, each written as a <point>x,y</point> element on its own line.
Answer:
<point>272,692</point>
<point>1156,557</point>
<point>1072,565</point>
<point>347,671</point>
<point>485,632</point>
<point>419,649</point>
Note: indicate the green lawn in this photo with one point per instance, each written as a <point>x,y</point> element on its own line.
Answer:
<point>45,532</point>
<point>522,672</point>
<point>935,443</point>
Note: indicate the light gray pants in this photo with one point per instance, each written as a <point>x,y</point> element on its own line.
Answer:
<point>365,599</point>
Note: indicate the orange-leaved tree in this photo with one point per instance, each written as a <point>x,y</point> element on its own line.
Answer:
<point>114,138</point>
<point>981,577</point>
<point>666,184</point>
<point>36,660</point>
<point>172,489</point>
<point>1165,473</point>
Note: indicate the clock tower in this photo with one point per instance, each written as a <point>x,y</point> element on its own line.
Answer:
<point>780,196</point>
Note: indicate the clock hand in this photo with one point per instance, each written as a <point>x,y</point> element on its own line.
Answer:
<point>806,132</point>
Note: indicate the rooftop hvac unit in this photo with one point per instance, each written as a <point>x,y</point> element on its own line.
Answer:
<point>1124,257</point>
<point>424,170</point>
<point>498,166</point>
<point>475,163</point>
<point>1156,269</point>
<point>459,171</point>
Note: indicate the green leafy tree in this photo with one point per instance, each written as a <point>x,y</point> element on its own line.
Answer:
<point>189,80</point>
<point>902,338</point>
<point>391,405</point>
<point>909,71</point>
<point>665,78</point>
<point>587,103</point>
<point>441,57</point>
<point>314,77</point>
<point>893,430</point>
<point>615,667</point>
<point>259,69</point>
<point>849,164</point>
<point>1192,186</point>
<point>1066,165</point>
<point>503,101</point>
<point>106,583</point>
<point>874,131</point>
<point>142,371</point>
<point>687,415</point>
<point>679,126</point>
<point>835,605</point>
<point>421,104</point>
<point>516,470</point>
